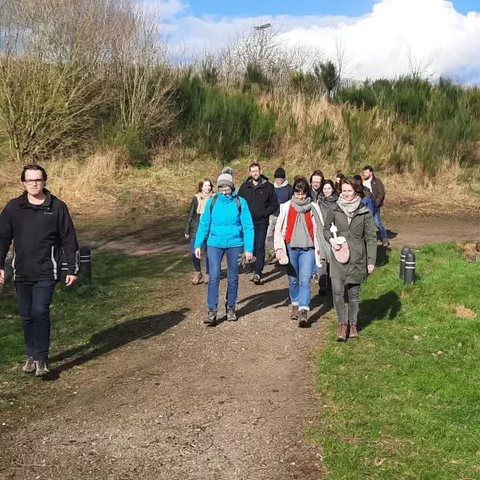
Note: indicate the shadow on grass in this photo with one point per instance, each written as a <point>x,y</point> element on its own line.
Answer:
<point>386,307</point>
<point>115,337</point>
<point>383,256</point>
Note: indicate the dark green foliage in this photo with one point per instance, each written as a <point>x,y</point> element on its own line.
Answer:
<point>306,83</point>
<point>209,73</point>
<point>255,78</point>
<point>222,123</point>
<point>327,74</point>
<point>323,135</point>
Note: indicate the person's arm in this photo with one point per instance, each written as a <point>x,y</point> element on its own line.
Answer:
<point>204,226</point>
<point>6,236</point>
<point>379,196</point>
<point>69,243</point>
<point>191,213</point>
<point>272,203</point>
<point>326,227</point>
<point>247,226</point>
<point>370,234</point>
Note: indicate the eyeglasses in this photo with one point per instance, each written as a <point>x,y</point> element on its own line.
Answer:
<point>34,181</point>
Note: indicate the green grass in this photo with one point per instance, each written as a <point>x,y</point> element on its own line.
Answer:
<point>129,298</point>
<point>404,401</point>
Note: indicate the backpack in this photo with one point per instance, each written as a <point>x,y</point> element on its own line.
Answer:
<point>237,201</point>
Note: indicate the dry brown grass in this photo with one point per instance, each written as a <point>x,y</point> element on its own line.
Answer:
<point>104,185</point>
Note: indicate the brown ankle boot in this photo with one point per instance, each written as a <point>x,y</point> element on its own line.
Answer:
<point>197,278</point>
<point>294,312</point>
<point>353,331</point>
<point>342,332</point>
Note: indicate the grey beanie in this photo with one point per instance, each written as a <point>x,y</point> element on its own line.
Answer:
<point>225,180</point>
<point>228,170</point>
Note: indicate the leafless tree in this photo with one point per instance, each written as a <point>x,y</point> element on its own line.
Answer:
<point>419,68</point>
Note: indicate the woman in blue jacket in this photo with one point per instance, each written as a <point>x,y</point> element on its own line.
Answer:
<point>228,225</point>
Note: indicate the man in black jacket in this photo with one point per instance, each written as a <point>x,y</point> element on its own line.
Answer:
<point>262,202</point>
<point>375,185</point>
<point>40,227</point>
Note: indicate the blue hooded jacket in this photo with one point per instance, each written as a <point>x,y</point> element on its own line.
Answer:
<point>225,227</point>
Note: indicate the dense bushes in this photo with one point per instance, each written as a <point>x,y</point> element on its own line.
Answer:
<point>112,86</point>
<point>222,123</point>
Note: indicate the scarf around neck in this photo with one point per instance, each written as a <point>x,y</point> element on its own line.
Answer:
<point>284,184</point>
<point>349,207</point>
<point>202,201</point>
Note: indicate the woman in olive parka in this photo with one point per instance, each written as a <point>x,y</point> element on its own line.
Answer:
<point>350,266</point>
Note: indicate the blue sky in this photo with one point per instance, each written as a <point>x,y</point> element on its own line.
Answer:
<point>351,8</point>
<point>379,37</point>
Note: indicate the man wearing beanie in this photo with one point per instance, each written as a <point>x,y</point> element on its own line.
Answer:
<point>284,193</point>
<point>262,202</point>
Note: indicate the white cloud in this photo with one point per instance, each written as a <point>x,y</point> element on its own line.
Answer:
<point>376,43</point>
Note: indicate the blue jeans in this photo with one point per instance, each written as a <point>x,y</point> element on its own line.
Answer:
<point>299,271</point>
<point>195,260</point>
<point>215,256</point>
<point>34,299</point>
<point>379,224</point>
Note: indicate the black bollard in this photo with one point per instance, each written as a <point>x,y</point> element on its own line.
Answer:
<point>404,251</point>
<point>86,263</point>
<point>410,264</point>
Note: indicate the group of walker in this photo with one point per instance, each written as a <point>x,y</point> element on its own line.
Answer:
<point>315,228</point>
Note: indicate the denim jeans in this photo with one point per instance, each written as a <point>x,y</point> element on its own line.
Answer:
<point>215,256</point>
<point>195,260</point>
<point>378,223</point>
<point>338,287</point>
<point>259,247</point>
<point>34,299</point>
<point>299,271</point>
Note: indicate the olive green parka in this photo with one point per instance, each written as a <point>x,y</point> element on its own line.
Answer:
<point>361,239</point>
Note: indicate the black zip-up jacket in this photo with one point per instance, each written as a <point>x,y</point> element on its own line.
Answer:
<point>39,234</point>
<point>261,199</point>
<point>193,220</point>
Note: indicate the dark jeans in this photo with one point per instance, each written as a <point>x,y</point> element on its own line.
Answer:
<point>195,260</point>
<point>34,299</point>
<point>216,254</point>
<point>338,287</point>
<point>259,247</point>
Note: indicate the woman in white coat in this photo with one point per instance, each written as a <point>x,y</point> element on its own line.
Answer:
<point>297,242</point>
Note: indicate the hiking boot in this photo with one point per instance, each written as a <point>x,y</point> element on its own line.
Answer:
<point>231,315</point>
<point>342,332</point>
<point>353,331</point>
<point>302,319</point>
<point>197,278</point>
<point>41,369</point>
<point>294,312</point>
<point>385,242</point>
<point>29,366</point>
<point>257,280</point>
<point>211,319</point>
<point>205,279</point>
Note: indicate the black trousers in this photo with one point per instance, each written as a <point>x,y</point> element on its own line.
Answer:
<point>259,247</point>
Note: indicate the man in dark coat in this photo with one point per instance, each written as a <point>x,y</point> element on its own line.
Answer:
<point>262,202</point>
<point>40,227</point>
<point>375,185</point>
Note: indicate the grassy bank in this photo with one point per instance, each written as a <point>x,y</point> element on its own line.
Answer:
<point>106,188</point>
<point>129,298</point>
<point>403,401</point>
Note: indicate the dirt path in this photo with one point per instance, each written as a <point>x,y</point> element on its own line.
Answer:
<point>227,403</point>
